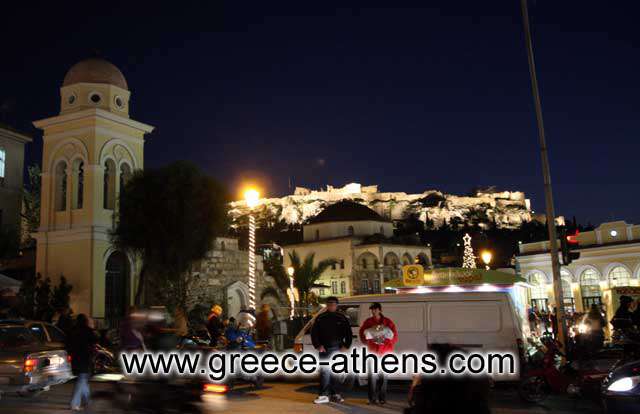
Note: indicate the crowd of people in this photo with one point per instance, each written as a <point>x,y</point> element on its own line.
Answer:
<point>331,332</point>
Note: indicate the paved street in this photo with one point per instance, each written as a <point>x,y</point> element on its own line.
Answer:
<point>285,398</point>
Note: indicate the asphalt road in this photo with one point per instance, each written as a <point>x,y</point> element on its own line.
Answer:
<point>282,398</point>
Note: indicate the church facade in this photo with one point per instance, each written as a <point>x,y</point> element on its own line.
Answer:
<point>89,151</point>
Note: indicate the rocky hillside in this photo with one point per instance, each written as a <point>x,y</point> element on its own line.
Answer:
<point>487,208</point>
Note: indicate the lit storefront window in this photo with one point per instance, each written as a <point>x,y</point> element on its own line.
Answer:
<point>538,291</point>
<point>619,276</point>
<point>590,288</point>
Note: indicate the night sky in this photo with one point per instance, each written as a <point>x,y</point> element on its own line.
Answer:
<point>409,99</point>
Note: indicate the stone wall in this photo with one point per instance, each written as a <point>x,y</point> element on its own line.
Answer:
<point>222,278</point>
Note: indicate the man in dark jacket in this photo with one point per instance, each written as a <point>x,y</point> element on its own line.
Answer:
<point>331,332</point>
<point>80,346</point>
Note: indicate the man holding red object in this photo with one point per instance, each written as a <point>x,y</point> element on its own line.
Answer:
<point>380,335</point>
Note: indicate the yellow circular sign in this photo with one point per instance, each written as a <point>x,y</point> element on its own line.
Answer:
<point>413,275</point>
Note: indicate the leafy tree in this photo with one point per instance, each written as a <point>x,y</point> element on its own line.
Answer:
<point>306,274</point>
<point>60,295</point>
<point>169,217</point>
<point>31,201</point>
<point>273,267</point>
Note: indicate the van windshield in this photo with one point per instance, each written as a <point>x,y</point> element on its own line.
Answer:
<point>350,311</point>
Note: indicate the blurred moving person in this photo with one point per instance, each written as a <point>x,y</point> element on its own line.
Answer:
<point>448,393</point>
<point>80,346</point>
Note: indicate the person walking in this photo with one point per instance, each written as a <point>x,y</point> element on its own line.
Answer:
<point>80,347</point>
<point>215,327</point>
<point>331,332</point>
<point>380,335</point>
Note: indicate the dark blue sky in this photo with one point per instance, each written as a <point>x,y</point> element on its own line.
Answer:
<point>407,98</point>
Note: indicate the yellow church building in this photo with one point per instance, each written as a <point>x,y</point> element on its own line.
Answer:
<point>89,150</point>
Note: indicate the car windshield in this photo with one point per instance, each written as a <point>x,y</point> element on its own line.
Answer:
<point>14,337</point>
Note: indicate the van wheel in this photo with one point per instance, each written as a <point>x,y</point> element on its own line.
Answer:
<point>533,389</point>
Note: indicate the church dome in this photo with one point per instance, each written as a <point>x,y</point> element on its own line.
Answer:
<point>346,210</point>
<point>95,70</point>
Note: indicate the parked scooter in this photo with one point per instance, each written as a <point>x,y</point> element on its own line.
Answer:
<point>576,378</point>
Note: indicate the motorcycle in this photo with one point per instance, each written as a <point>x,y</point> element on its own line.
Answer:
<point>576,378</point>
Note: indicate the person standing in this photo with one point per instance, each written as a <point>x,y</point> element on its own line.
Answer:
<point>80,346</point>
<point>65,322</point>
<point>180,322</point>
<point>331,332</point>
<point>380,335</point>
<point>596,323</point>
<point>215,327</point>
<point>264,326</point>
<point>533,320</point>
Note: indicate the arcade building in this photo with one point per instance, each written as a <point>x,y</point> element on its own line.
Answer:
<point>608,267</point>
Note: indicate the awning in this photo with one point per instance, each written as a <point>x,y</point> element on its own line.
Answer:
<point>461,276</point>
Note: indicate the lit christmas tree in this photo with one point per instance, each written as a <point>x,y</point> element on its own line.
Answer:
<point>469,259</point>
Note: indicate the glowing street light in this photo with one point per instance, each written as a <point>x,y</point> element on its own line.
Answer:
<point>486,257</point>
<point>252,196</point>
<point>292,298</point>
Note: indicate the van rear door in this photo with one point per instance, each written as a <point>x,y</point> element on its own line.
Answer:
<point>477,325</point>
<point>410,324</point>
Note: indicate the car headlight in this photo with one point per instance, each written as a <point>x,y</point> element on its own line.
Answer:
<point>624,384</point>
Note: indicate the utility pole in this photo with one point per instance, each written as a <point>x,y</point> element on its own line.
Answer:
<point>548,194</point>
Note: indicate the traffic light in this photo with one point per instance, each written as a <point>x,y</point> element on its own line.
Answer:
<point>568,242</point>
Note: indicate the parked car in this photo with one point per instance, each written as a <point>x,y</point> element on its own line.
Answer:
<point>473,321</point>
<point>42,331</point>
<point>621,389</point>
<point>50,335</point>
<point>27,365</point>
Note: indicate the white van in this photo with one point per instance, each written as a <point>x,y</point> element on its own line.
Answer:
<point>478,321</point>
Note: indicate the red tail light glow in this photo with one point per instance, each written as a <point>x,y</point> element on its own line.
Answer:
<point>216,388</point>
<point>30,364</point>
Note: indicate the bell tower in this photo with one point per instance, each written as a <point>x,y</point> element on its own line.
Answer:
<point>89,151</point>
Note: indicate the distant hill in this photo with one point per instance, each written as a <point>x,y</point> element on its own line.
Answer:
<point>486,208</point>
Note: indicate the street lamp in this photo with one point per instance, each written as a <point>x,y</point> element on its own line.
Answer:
<point>292,298</point>
<point>486,257</point>
<point>252,196</point>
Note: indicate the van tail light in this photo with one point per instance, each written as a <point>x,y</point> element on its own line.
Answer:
<point>298,348</point>
<point>30,364</point>
<point>69,358</point>
<point>215,388</point>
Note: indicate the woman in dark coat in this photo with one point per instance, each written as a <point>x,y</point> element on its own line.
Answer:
<point>80,346</point>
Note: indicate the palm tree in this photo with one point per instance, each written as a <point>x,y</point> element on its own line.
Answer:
<point>306,274</point>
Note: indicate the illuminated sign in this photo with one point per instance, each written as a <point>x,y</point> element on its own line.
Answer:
<point>413,275</point>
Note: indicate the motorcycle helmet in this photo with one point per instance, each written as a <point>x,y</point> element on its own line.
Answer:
<point>246,320</point>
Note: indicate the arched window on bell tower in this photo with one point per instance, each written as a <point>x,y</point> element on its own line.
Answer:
<point>125,175</point>
<point>60,193</point>
<point>109,185</point>
<point>78,184</point>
